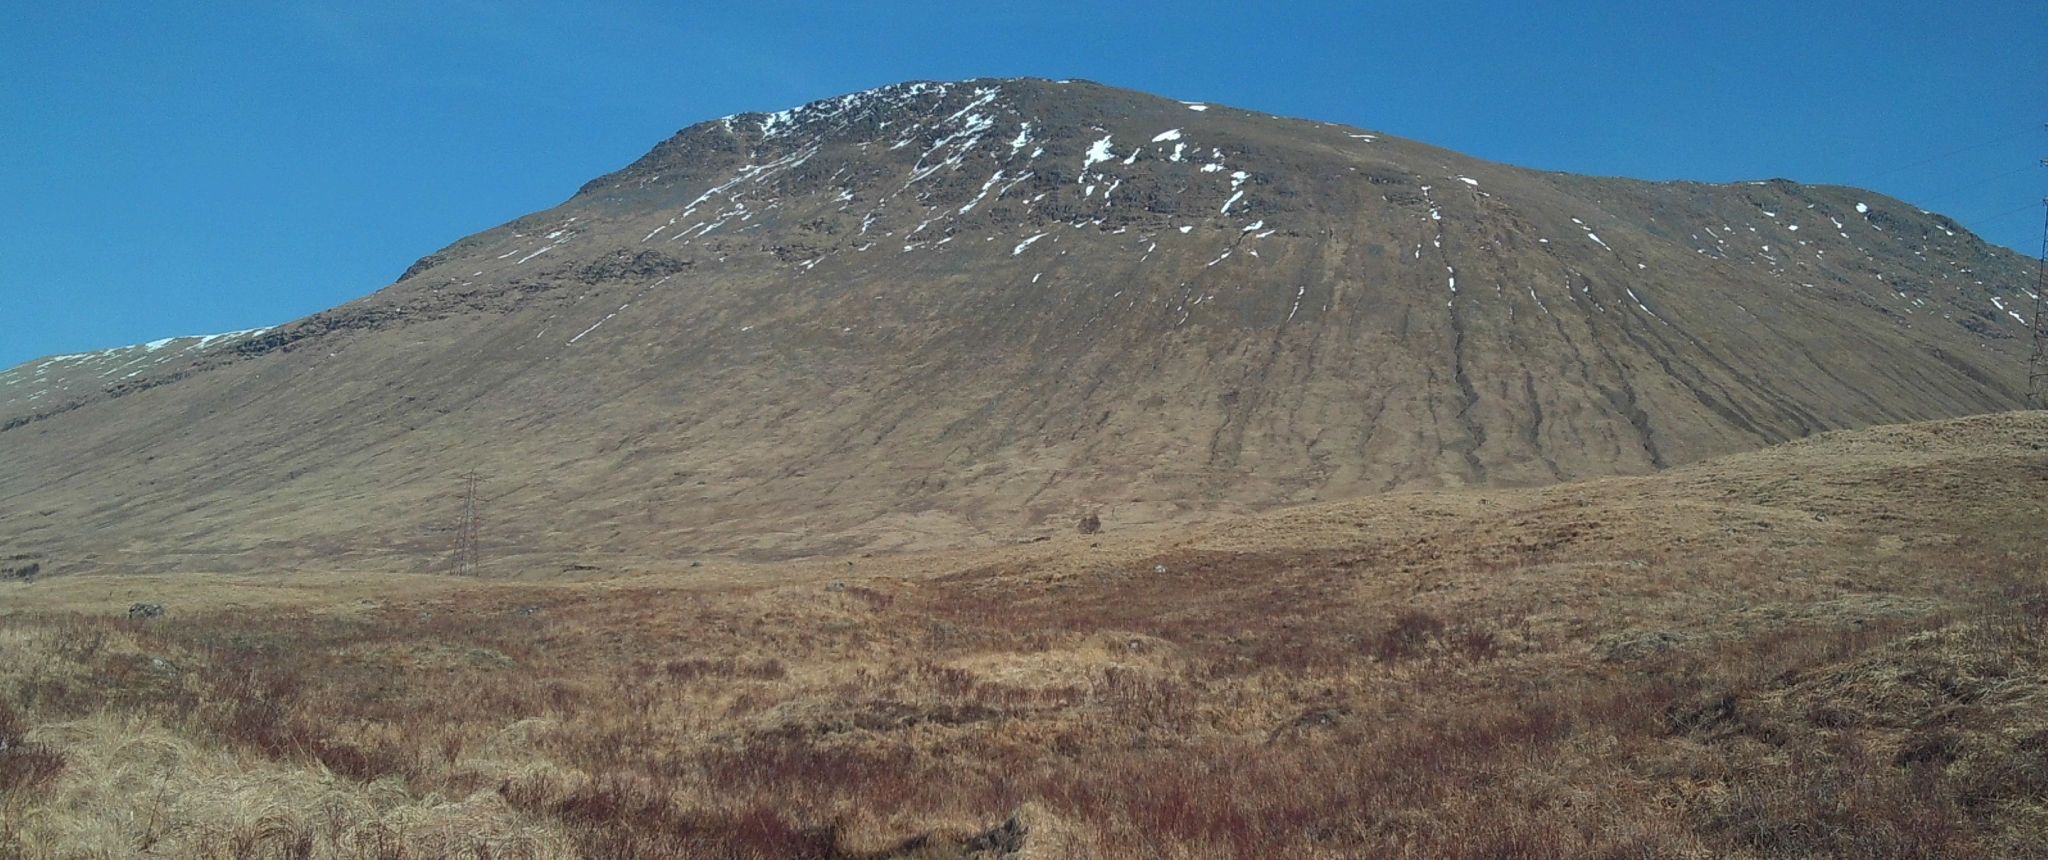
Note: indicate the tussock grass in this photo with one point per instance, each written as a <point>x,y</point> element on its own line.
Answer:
<point>131,785</point>
<point>1690,666</point>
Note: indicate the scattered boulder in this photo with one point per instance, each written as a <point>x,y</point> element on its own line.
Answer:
<point>1002,840</point>
<point>1005,841</point>
<point>1090,524</point>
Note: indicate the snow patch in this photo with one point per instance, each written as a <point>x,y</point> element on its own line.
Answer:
<point>1098,152</point>
<point>1639,303</point>
<point>593,326</point>
<point>985,186</point>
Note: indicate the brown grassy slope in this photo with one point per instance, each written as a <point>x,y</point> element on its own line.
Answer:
<point>856,352</point>
<point>1831,648</point>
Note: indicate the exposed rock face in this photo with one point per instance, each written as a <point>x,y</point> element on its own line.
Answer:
<point>936,313</point>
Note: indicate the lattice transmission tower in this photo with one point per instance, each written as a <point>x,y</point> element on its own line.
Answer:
<point>468,550</point>
<point>2037,360</point>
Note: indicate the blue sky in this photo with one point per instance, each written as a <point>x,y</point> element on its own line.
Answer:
<point>185,168</point>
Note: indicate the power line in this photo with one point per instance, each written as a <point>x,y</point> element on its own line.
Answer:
<point>1949,154</point>
<point>1955,189</point>
<point>2001,214</point>
<point>1958,190</point>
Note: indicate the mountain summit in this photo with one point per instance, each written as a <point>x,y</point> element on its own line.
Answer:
<point>939,313</point>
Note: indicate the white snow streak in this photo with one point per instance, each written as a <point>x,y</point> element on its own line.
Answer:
<point>1098,152</point>
<point>593,326</point>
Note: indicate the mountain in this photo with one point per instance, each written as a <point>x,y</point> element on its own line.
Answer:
<point>935,314</point>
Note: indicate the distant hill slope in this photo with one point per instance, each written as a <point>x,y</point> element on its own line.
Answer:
<point>46,387</point>
<point>934,314</point>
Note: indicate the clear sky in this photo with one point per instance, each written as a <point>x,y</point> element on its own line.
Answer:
<point>194,167</point>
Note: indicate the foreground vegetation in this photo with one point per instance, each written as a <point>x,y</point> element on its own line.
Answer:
<point>1835,649</point>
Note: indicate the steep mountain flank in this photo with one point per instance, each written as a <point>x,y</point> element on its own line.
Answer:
<point>941,313</point>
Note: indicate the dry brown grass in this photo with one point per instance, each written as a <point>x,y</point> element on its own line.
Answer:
<point>1837,651</point>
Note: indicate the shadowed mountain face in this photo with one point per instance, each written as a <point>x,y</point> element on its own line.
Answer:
<point>941,313</point>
